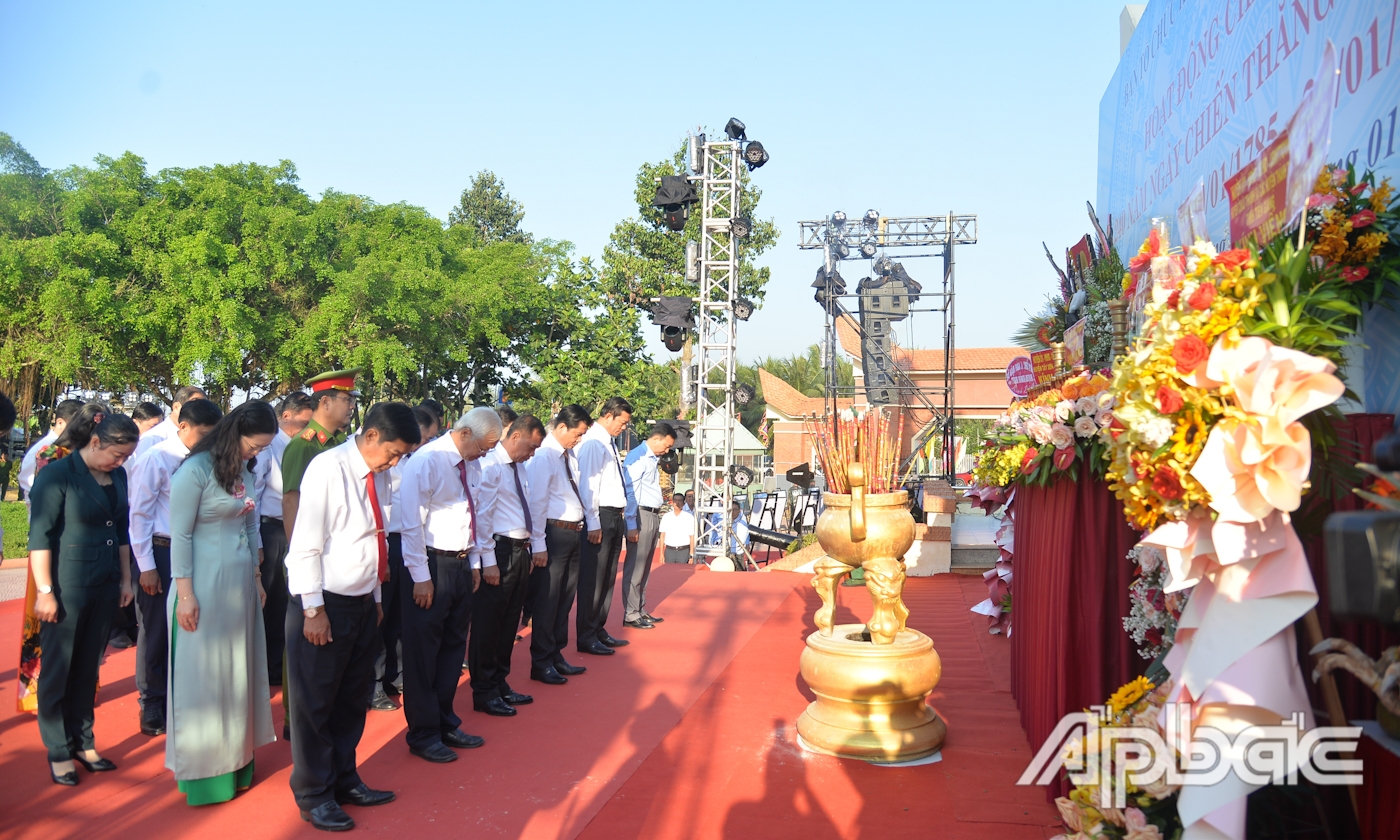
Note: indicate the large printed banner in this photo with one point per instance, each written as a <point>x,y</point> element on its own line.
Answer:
<point>1206,86</point>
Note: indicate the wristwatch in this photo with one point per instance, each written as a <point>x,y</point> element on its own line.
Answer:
<point>312,612</point>
<point>45,590</point>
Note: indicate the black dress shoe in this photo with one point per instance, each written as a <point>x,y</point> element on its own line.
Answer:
<point>152,723</point>
<point>515,698</point>
<point>436,753</point>
<point>381,702</point>
<point>613,642</point>
<point>495,706</point>
<point>653,619</point>
<point>568,670</point>
<point>640,624</point>
<point>548,676</point>
<point>597,649</point>
<point>101,765</point>
<point>328,816</point>
<point>68,779</point>
<point>121,641</point>
<point>461,740</point>
<point>364,796</point>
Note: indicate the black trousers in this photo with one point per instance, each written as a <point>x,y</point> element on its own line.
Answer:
<point>434,647</point>
<point>495,615</point>
<point>332,683</point>
<point>597,575</point>
<point>274,581</point>
<point>153,642</point>
<point>387,672</point>
<point>72,652</point>
<point>554,587</point>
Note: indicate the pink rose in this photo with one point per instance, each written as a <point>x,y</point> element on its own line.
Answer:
<point>1038,430</point>
<point>1104,418</point>
<point>1086,427</point>
<point>1061,436</point>
<point>1322,201</point>
<point>1086,405</point>
<point>1138,826</point>
<point>1064,409</point>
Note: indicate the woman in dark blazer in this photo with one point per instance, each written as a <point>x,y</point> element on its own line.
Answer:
<point>80,556</point>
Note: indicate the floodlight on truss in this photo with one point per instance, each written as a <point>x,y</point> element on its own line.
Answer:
<point>869,248</point>
<point>740,226</point>
<point>744,394</point>
<point>741,477</point>
<point>755,155</point>
<point>734,129</point>
<point>743,308</point>
<point>871,219</point>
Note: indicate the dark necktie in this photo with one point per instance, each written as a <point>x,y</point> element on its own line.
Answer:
<point>379,537</point>
<point>520,492</point>
<point>570,473</point>
<point>471,505</point>
<point>617,459</point>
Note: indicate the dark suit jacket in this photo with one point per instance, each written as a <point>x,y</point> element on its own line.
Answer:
<point>71,516</point>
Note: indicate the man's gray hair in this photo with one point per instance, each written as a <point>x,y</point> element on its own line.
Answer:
<point>483,421</point>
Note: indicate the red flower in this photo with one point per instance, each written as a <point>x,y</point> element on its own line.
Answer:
<point>1365,218</point>
<point>1355,273</point>
<point>1189,353</point>
<point>1166,484</point>
<point>1153,636</point>
<point>1028,461</point>
<point>1064,457</point>
<point>1170,401</point>
<point>1233,258</point>
<point>1360,188</point>
<point>1202,298</point>
<point>1174,298</point>
<point>1153,248</point>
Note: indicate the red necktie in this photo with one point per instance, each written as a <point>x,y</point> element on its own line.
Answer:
<point>379,530</point>
<point>471,506</point>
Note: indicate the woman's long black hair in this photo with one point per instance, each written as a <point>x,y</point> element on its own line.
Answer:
<point>225,441</point>
<point>98,418</point>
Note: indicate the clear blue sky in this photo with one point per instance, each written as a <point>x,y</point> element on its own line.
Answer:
<point>909,108</point>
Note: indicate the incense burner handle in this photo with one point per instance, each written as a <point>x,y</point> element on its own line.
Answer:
<point>855,476</point>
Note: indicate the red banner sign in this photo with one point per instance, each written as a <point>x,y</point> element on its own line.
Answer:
<point>1043,363</point>
<point>1259,195</point>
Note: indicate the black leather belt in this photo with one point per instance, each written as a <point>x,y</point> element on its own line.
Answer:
<point>336,597</point>
<point>512,540</point>
<point>649,509</point>
<point>460,555</point>
<point>565,524</point>
<point>610,508</point>
<point>267,519</point>
<point>163,542</point>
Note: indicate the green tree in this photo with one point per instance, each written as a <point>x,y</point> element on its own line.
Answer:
<point>487,210</point>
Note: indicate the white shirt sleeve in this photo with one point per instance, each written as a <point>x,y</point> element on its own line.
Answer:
<point>411,513</point>
<point>591,457</point>
<point>26,468</point>
<point>537,473</point>
<point>305,576</point>
<point>486,501</point>
<point>479,558</point>
<point>143,497</point>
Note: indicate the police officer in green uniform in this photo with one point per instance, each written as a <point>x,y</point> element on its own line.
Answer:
<point>334,398</point>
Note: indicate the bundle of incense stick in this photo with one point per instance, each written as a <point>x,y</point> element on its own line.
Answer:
<point>869,438</point>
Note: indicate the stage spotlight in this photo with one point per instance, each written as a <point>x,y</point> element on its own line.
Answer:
<point>872,219</point>
<point>868,249</point>
<point>743,309</point>
<point>734,130</point>
<point>839,218</point>
<point>754,155</point>
<point>740,226</point>
<point>884,266</point>
<point>840,250</point>
<point>828,287</point>
<point>741,477</point>
<point>673,315</point>
<point>674,196</point>
<point>673,338</point>
<point>744,394</point>
<point>670,463</point>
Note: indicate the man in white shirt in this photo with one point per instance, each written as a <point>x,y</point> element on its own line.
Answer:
<point>554,493</point>
<point>338,557</point>
<point>293,413</point>
<point>388,674</point>
<point>611,512</point>
<point>508,520</point>
<point>149,499</point>
<point>678,532</point>
<point>167,429</point>
<point>643,468</point>
<point>66,410</point>
<point>445,555</point>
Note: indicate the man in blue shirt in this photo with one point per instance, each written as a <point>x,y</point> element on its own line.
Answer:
<point>642,466</point>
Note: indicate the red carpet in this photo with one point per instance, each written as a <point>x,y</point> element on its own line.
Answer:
<point>685,733</point>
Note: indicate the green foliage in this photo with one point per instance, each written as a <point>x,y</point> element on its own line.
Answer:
<point>803,371</point>
<point>14,518</point>
<point>488,211</point>
<point>802,542</point>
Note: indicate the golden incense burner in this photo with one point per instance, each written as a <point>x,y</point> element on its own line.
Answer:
<point>871,680</point>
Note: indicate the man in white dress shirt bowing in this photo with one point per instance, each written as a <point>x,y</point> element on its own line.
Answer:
<point>167,428</point>
<point>338,557</point>
<point>611,513</point>
<point>444,553</point>
<point>293,413</point>
<point>148,493</point>
<point>553,477</point>
<point>643,467</point>
<point>506,516</point>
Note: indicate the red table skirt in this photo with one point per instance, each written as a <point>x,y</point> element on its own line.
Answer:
<point>1377,806</point>
<point>1068,646</point>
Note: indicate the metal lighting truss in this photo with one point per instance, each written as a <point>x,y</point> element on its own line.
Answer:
<point>941,232</point>
<point>720,190</point>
